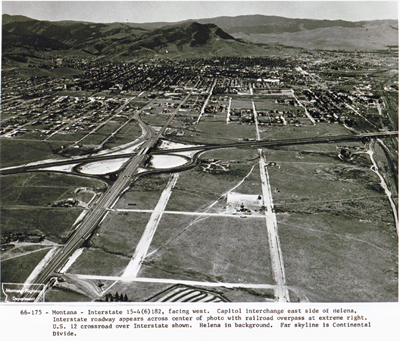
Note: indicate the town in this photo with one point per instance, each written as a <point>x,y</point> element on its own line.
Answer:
<point>293,91</point>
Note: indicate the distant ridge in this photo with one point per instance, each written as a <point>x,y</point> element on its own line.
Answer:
<point>6,18</point>
<point>273,24</point>
<point>306,33</point>
<point>247,35</point>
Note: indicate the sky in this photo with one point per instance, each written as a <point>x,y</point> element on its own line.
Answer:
<point>172,11</point>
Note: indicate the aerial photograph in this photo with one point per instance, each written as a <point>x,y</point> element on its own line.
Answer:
<point>195,151</point>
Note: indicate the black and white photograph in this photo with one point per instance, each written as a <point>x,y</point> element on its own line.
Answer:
<point>199,154</point>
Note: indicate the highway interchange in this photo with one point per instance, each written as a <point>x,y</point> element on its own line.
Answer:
<point>245,144</point>
<point>94,216</point>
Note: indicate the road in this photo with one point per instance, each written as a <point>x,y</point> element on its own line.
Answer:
<point>142,247</point>
<point>205,103</point>
<point>305,109</point>
<point>278,269</point>
<point>285,142</point>
<point>383,184</point>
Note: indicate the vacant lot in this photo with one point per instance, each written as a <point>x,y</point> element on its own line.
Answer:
<point>54,223</point>
<point>139,198</point>
<point>101,134</point>
<point>24,249</point>
<point>210,249</point>
<point>154,120</point>
<point>17,152</point>
<point>139,292</point>
<point>98,262</point>
<point>17,270</point>
<point>65,136</point>
<point>231,154</point>
<point>120,232</point>
<point>270,103</point>
<point>197,189</point>
<point>336,227</point>
<point>129,133</point>
<point>63,295</point>
<point>215,130</point>
<point>332,258</point>
<point>41,189</point>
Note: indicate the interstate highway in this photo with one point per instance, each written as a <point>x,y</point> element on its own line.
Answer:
<point>93,218</point>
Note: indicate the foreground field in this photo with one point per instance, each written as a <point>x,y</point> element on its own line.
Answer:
<point>329,258</point>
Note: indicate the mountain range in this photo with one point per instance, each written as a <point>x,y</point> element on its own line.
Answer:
<point>221,36</point>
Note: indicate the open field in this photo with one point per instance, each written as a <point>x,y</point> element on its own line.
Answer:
<point>16,152</point>
<point>102,133</point>
<point>120,232</point>
<point>331,258</point>
<point>340,223</point>
<point>272,104</point>
<point>331,180</point>
<point>62,295</point>
<point>144,193</point>
<point>18,269</point>
<point>231,154</point>
<point>136,291</point>
<point>98,262</point>
<point>127,134</point>
<point>64,137</point>
<point>215,130</point>
<point>197,189</point>
<point>20,249</point>
<point>154,120</point>
<point>210,249</point>
<point>41,189</point>
<point>54,223</point>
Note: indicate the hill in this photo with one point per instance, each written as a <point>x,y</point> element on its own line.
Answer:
<point>306,33</point>
<point>321,34</point>
<point>24,37</point>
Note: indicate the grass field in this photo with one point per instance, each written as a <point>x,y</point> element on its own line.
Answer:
<point>16,152</point>
<point>332,258</point>
<point>128,133</point>
<point>154,120</point>
<point>268,104</point>
<point>335,225</point>
<point>18,269</point>
<point>66,138</point>
<point>98,262</point>
<point>197,189</point>
<point>19,250</point>
<point>139,292</point>
<point>54,223</point>
<point>40,188</point>
<point>101,134</point>
<point>120,232</point>
<point>62,295</point>
<point>232,154</point>
<point>138,197</point>
<point>210,249</point>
